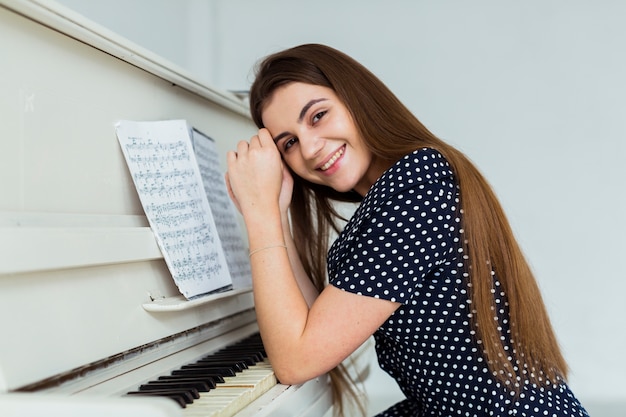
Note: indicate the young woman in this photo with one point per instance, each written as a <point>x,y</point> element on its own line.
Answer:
<point>427,264</point>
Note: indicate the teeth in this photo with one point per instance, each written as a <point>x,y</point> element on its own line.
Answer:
<point>332,160</point>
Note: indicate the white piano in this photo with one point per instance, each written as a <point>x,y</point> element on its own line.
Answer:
<point>89,311</point>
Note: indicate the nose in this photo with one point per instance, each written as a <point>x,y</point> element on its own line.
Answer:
<point>311,145</point>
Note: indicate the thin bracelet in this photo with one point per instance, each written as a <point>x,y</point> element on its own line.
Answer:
<point>267,247</point>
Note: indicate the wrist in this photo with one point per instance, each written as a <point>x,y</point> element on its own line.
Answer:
<point>264,228</point>
<point>260,213</point>
<point>277,246</point>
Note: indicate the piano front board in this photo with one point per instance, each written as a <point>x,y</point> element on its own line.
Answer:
<point>78,262</point>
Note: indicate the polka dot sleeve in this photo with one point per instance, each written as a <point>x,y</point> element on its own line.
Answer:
<point>405,228</point>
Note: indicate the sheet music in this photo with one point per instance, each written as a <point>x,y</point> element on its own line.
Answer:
<point>223,209</point>
<point>167,178</point>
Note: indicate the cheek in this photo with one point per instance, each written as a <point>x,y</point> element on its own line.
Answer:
<point>300,170</point>
<point>294,163</point>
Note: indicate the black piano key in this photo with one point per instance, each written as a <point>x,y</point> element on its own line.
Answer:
<point>196,385</point>
<point>247,360</point>
<point>188,395</point>
<point>257,350</point>
<point>249,343</point>
<point>182,398</point>
<point>231,357</point>
<point>204,371</point>
<point>234,366</point>
<point>256,342</point>
<point>254,354</point>
<point>209,380</point>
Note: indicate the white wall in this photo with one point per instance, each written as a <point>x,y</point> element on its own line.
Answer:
<point>534,92</point>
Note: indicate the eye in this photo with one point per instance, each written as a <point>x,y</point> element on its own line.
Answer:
<point>318,116</point>
<point>289,143</point>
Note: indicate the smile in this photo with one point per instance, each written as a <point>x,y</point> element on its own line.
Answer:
<point>333,159</point>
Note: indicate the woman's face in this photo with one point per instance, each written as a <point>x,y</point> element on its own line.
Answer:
<point>317,138</point>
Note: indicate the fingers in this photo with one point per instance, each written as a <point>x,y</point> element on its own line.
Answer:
<point>242,147</point>
<point>265,138</point>
<point>230,192</point>
<point>231,156</point>
<point>262,139</point>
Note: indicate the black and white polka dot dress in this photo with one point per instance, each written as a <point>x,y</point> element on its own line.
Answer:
<point>402,244</point>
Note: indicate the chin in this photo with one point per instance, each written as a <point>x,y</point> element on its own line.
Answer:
<point>343,189</point>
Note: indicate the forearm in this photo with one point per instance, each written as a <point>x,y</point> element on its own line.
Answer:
<point>280,305</point>
<point>304,342</point>
<point>307,287</point>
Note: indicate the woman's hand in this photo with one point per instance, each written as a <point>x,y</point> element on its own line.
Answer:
<point>256,178</point>
<point>286,191</point>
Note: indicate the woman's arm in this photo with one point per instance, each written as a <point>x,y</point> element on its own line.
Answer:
<point>301,342</point>
<point>309,292</point>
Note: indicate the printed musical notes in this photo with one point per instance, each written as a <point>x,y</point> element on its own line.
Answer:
<point>163,166</point>
<point>223,209</point>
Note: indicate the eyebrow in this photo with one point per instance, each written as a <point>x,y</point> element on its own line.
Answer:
<point>305,108</point>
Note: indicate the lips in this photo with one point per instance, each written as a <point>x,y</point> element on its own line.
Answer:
<point>333,159</point>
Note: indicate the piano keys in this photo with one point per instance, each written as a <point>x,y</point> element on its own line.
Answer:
<point>251,392</point>
<point>219,384</point>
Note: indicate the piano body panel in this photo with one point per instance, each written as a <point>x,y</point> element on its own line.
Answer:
<point>38,405</point>
<point>77,258</point>
<point>88,308</point>
<point>68,318</point>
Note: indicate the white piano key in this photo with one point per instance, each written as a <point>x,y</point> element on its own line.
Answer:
<point>235,393</point>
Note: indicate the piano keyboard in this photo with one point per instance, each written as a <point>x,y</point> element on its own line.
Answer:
<point>219,384</point>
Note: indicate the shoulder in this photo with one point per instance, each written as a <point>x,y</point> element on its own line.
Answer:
<point>403,190</point>
<point>404,227</point>
<point>418,167</point>
<point>421,165</point>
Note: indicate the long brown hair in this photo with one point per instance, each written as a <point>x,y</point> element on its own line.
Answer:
<point>391,131</point>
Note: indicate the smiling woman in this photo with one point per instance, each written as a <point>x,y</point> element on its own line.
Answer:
<point>427,264</point>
